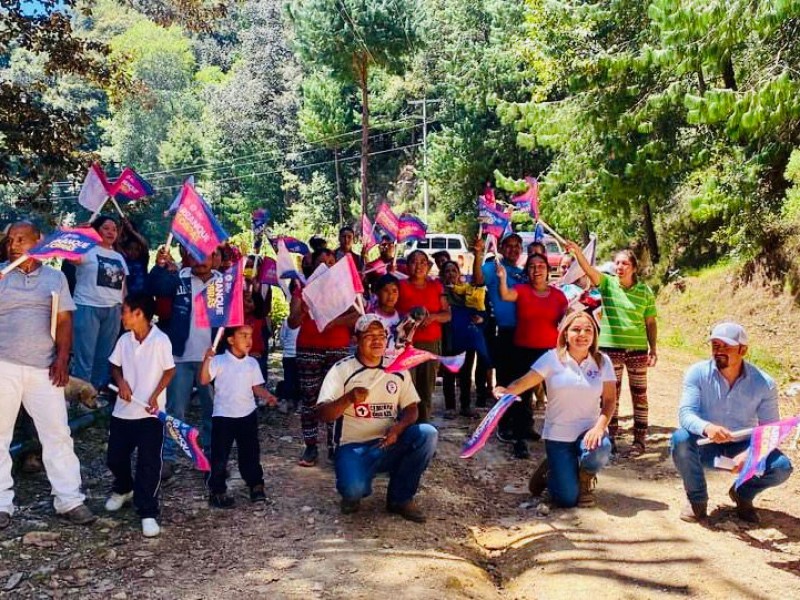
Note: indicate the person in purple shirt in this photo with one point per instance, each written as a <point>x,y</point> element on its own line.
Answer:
<point>720,396</point>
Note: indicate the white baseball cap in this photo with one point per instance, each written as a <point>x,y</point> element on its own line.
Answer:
<point>731,333</point>
<point>364,322</point>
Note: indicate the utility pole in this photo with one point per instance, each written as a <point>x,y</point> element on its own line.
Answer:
<point>424,103</point>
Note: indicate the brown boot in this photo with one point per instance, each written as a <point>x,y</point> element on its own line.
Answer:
<point>538,481</point>
<point>587,482</point>
<point>639,442</point>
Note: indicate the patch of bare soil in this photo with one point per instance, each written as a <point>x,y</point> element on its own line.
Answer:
<point>485,537</point>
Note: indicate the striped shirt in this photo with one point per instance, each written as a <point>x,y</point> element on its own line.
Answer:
<point>622,324</point>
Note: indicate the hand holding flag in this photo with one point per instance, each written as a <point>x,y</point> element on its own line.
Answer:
<point>184,434</point>
<point>484,430</point>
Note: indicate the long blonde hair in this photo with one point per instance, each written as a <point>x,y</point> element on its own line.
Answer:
<point>561,345</point>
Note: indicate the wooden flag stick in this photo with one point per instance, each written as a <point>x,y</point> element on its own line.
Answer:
<point>218,338</point>
<point>96,213</point>
<point>116,205</point>
<point>10,267</point>
<point>560,239</point>
<point>736,435</point>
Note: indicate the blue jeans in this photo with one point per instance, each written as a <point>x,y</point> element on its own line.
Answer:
<point>96,330</point>
<point>179,392</point>
<point>565,460</point>
<point>405,461</point>
<point>690,459</point>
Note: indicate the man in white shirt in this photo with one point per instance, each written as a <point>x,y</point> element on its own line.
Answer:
<point>375,431</point>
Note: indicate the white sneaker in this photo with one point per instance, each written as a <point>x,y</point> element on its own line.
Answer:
<point>150,528</point>
<point>117,501</point>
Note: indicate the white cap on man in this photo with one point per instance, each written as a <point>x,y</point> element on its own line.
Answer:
<point>731,333</point>
<point>365,322</point>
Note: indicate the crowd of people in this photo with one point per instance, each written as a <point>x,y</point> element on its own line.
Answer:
<point>124,324</point>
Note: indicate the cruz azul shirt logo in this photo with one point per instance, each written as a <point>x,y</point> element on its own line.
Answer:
<point>374,411</point>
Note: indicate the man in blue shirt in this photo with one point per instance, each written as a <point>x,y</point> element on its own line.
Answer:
<point>720,396</point>
<point>505,315</point>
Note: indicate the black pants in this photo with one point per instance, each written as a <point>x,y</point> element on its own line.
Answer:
<point>517,422</point>
<point>483,383</point>
<point>145,436</point>
<point>464,377</point>
<point>244,431</point>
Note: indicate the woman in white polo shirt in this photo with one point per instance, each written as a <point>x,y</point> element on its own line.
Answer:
<point>581,397</point>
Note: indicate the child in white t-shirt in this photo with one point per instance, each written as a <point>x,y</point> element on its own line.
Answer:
<point>387,291</point>
<point>141,367</point>
<point>238,380</point>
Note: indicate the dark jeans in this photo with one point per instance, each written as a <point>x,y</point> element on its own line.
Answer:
<point>244,431</point>
<point>690,460</point>
<point>517,422</point>
<point>145,436</point>
<point>483,383</point>
<point>291,383</point>
<point>405,461</point>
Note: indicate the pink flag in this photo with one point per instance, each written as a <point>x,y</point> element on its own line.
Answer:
<point>387,221</point>
<point>195,226</point>
<point>130,186</point>
<point>332,293</point>
<point>529,198</point>
<point>367,233</point>
<point>221,303</point>
<point>66,243</point>
<point>484,430</point>
<point>764,439</point>
<point>411,228</point>
<point>95,189</point>
<point>412,357</point>
<point>268,271</point>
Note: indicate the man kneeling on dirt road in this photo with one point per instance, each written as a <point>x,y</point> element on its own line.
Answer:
<point>720,396</point>
<point>375,430</point>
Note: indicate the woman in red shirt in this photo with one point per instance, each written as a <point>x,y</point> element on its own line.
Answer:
<point>540,308</point>
<point>317,352</point>
<point>418,291</point>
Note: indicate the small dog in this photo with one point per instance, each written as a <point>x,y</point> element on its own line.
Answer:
<point>78,390</point>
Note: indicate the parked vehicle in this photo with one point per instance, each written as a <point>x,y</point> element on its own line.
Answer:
<point>554,251</point>
<point>455,244</point>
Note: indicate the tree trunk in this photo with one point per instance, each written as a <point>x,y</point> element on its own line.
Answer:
<point>650,232</point>
<point>364,133</point>
<point>338,185</point>
<point>701,81</point>
<point>728,75</point>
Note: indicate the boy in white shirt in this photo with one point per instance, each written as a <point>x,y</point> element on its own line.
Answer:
<point>238,381</point>
<point>141,367</point>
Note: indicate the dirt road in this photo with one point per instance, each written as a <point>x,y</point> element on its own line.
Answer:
<point>483,538</point>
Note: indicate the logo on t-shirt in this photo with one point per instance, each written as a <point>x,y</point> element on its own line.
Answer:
<point>592,373</point>
<point>362,411</point>
<point>110,273</point>
<point>391,387</point>
<point>374,411</point>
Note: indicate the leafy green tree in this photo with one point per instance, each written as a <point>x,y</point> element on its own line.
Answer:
<point>326,117</point>
<point>44,124</point>
<point>351,37</point>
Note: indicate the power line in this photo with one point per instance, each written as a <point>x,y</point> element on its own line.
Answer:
<point>273,171</point>
<point>237,160</point>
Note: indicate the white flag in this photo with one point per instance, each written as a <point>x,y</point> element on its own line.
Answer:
<point>333,292</point>
<point>575,272</point>
<point>94,191</point>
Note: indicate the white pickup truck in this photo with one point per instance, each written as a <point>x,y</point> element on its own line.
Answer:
<point>455,244</point>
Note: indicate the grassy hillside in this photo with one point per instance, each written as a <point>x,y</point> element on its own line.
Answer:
<point>768,313</point>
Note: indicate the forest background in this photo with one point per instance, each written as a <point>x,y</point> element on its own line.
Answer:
<point>670,125</point>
